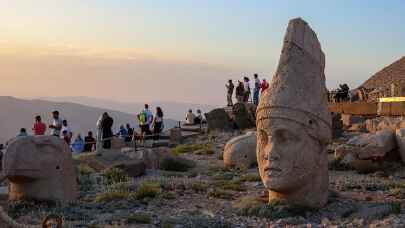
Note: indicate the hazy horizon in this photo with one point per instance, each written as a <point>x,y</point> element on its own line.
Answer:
<point>180,51</point>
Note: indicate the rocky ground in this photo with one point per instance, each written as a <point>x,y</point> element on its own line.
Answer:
<point>208,195</point>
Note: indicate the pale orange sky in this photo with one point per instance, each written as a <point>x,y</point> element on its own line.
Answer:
<point>184,51</point>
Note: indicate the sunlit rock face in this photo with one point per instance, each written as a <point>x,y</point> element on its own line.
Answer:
<point>294,124</point>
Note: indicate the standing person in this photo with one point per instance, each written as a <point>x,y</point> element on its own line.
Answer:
<point>145,118</point>
<point>256,91</point>
<point>89,142</point>
<point>246,87</point>
<point>265,85</point>
<point>190,117</point>
<point>229,88</point>
<point>130,131</point>
<point>66,128</point>
<point>240,92</point>
<point>56,125</point>
<point>157,123</point>
<point>39,127</point>
<point>99,135</point>
<point>66,137</point>
<point>106,126</point>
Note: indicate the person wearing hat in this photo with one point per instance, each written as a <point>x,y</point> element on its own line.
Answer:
<point>56,125</point>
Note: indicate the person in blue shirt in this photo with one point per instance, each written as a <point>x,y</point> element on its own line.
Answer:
<point>122,133</point>
<point>22,133</point>
<point>78,144</point>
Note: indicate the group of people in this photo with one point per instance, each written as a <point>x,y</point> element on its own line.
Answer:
<point>243,92</point>
<point>192,119</point>
<point>150,124</point>
<point>60,128</point>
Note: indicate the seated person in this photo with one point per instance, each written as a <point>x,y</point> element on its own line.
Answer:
<point>199,119</point>
<point>78,144</point>
<point>66,137</point>
<point>90,142</point>
<point>22,133</point>
<point>123,132</point>
<point>130,132</point>
<point>190,118</point>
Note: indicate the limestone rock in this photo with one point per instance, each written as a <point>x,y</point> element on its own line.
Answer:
<point>118,143</point>
<point>175,136</point>
<point>243,115</point>
<point>40,168</point>
<point>400,138</point>
<point>132,168</point>
<point>240,151</point>
<point>294,124</point>
<point>368,146</point>
<point>218,119</point>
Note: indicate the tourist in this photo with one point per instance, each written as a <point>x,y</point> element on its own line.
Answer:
<point>66,137</point>
<point>190,117</point>
<point>66,128</point>
<point>22,133</point>
<point>56,125</point>
<point>240,92</point>
<point>99,136</point>
<point>265,85</point>
<point>246,88</point>
<point>89,141</point>
<point>130,132</point>
<point>157,123</point>
<point>199,118</point>
<point>106,126</point>
<point>78,144</point>
<point>230,87</point>
<point>256,91</point>
<point>39,127</point>
<point>122,133</point>
<point>145,119</point>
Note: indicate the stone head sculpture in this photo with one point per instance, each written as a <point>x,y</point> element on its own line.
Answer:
<point>294,124</point>
<point>40,167</point>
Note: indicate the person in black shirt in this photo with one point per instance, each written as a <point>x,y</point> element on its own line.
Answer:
<point>130,131</point>
<point>106,126</point>
<point>89,142</point>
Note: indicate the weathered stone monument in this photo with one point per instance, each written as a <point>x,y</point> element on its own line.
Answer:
<point>239,152</point>
<point>294,124</point>
<point>40,168</point>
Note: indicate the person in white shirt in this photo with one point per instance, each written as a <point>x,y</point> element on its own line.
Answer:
<point>66,128</point>
<point>190,117</point>
<point>56,125</point>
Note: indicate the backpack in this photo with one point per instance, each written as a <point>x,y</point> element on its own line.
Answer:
<point>142,118</point>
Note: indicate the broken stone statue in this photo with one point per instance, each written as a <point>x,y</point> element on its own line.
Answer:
<point>40,167</point>
<point>294,124</point>
<point>240,152</point>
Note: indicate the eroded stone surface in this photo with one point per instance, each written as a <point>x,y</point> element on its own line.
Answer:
<point>400,139</point>
<point>241,151</point>
<point>40,168</point>
<point>294,124</point>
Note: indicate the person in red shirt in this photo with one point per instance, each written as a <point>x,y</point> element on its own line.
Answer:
<point>264,85</point>
<point>39,127</point>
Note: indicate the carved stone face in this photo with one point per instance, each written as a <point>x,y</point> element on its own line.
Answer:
<point>288,156</point>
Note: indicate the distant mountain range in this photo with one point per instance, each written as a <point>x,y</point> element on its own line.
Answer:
<point>172,110</point>
<point>19,113</point>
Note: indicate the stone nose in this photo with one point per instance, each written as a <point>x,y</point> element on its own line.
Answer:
<point>271,151</point>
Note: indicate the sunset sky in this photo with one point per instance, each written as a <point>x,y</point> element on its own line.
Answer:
<point>154,50</point>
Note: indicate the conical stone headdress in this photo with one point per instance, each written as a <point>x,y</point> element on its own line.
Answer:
<point>298,92</point>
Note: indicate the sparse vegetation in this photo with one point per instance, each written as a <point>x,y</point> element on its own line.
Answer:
<point>176,164</point>
<point>115,175</point>
<point>234,185</point>
<point>139,218</point>
<point>199,187</point>
<point>187,148</point>
<point>219,193</point>
<point>109,196</point>
<point>84,169</point>
<point>147,189</point>
<point>250,178</point>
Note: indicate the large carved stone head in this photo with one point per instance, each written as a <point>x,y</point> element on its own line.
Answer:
<point>294,124</point>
